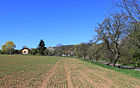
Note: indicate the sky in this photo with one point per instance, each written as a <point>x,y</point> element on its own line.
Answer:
<point>67,22</point>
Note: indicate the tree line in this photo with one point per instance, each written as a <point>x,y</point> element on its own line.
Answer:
<point>118,36</point>
<point>117,39</point>
<point>9,48</point>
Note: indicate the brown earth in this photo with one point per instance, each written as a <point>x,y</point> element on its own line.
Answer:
<point>80,74</point>
<point>67,73</point>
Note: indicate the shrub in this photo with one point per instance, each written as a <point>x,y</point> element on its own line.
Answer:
<point>38,54</point>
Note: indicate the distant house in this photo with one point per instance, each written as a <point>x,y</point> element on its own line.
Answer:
<point>25,51</point>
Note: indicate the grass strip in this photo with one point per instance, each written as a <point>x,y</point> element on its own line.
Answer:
<point>129,72</point>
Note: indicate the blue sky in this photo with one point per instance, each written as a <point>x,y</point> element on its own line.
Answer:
<point>26,22</point>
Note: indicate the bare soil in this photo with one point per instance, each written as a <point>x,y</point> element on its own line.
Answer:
<point>78,74</point>
<point>65,73</point>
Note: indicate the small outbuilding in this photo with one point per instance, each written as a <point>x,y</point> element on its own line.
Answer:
<point>25,51</point>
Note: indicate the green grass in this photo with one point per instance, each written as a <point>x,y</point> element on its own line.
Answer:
<point>129,72</point>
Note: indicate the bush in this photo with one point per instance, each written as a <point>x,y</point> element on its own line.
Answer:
<point>33,51</point>
<point>4,52</point>
<point>46,52</point>
<point>17,51</point>
<point>38,54</point>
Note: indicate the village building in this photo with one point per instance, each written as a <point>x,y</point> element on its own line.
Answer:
<point>25,51</point>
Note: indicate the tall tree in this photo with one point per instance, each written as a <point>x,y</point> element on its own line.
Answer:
<point>41,47</point>
<point>110,32</point>
<point>84,49</point>
<point>94,51</point>
<point>8,47</point>
<point>131,8</point>
<point>134,34</point>
<point>81,50</point>
<point>3,48</point>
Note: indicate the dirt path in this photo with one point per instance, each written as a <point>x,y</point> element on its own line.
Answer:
<point>52,72</point>
<point>70,85</point>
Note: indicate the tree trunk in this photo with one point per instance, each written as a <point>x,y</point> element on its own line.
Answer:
<point>96,59</point>
<point>90,58</point>
<point>116,58</point>
<point>84,57</point>
<point>10,52</point>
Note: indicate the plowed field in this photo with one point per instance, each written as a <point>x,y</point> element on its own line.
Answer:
<point>59,72</point>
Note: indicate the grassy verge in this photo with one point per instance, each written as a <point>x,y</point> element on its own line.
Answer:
<point>129,72</point>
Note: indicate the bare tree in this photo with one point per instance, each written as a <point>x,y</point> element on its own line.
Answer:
<point>110,32</point>
<point>131,8</point>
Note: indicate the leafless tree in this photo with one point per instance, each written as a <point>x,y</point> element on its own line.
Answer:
<point>110,32</point>
<point>131,8</point>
